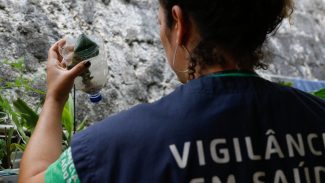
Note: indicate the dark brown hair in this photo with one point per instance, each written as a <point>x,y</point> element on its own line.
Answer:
<point>236,27</point>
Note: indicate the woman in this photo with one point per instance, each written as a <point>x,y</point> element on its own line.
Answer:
<point>225,124</point>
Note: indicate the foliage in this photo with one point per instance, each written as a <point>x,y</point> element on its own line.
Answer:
<point>67,120</point>
<point>283,83</point>
<point>14,117</point>
<point>320,93</point>
<point>25,120</point>
<point>7,148</point>
<point>2,116</point>
<point>22,81</point>
<point>2,149</point>
<point>23,117</point>
<point>28,116</point>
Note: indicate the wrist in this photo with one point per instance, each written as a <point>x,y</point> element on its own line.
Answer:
<point>59,102</point>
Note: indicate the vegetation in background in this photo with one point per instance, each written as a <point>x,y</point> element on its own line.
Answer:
<point>6,149</point>
<point>283,83</point>
<point>2,116</point>
<point>23,117</point>
<point>320,93</point>
<point>22,81</point>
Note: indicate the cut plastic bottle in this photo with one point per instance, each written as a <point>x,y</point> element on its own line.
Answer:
<point>87,48</point>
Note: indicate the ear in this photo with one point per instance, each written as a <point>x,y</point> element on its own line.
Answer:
<point>180,24</point>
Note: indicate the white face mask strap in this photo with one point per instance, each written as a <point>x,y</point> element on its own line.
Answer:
<point>174,58</point>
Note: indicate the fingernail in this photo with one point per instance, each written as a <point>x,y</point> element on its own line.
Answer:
<point>87,63</point>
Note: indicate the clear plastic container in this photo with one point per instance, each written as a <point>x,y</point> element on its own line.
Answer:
<point>94,79</point>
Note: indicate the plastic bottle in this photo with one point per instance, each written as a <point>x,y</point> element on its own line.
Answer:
<point>94,79</point>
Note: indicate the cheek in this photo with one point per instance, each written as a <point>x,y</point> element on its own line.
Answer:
<point>163,37</point>
<point>165,42</point>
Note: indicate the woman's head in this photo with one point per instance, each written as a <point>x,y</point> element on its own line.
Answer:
<point>228,31</point>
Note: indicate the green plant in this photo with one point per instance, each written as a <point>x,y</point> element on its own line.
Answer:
<point>14,117</point>
<point>27,118</point>
<point>22,81</point>
<point>284,83</point>
<point>6,149</point>
<point>2,151</point>
<point>68,122</point>
<point>320,93</point>
<point>23,117</point>
<point>2,116</point>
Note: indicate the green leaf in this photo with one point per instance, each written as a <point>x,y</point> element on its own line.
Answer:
<point>29,88</point>
<point>12,148</point>
<point>10,134</point>
<point>82,125</point>
<point>320,93</point>
<point>18,83</point>
<point>27,114</point>
<point>14,118</point>
<point>2,149</point>
<point>65,140</point>
<point>67,117</point>
<point>10,84</point>
<point>20,147</point>
<point>2,113</point>
<point>17,64</point>
<point>9,137</point>
<point>284,83</point>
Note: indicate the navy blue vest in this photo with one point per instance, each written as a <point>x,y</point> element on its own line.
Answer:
<point>211,130</point>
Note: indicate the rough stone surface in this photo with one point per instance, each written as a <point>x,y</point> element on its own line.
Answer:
<point>298,48</point>
<point>137,68</point>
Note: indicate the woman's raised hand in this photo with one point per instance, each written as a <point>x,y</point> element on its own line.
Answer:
<point>59,78</point>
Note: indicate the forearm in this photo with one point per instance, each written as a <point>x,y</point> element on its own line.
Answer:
<point>45,145</point>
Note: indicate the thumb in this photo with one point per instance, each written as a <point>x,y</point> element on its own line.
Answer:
<point>80,68</point>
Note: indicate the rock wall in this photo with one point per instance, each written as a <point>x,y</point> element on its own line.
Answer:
<point>137,68</point>
<point>299,46</point>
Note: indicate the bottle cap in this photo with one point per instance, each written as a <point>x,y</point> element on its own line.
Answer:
<point>95,98</point>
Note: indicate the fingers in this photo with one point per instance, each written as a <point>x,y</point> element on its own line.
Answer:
<point>53,55</point>
<point>61,43</point>
<point>66,50</point>
<point>69,48</point>
<point>79,68</point>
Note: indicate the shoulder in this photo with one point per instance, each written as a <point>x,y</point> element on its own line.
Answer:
<point>298,95</point>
